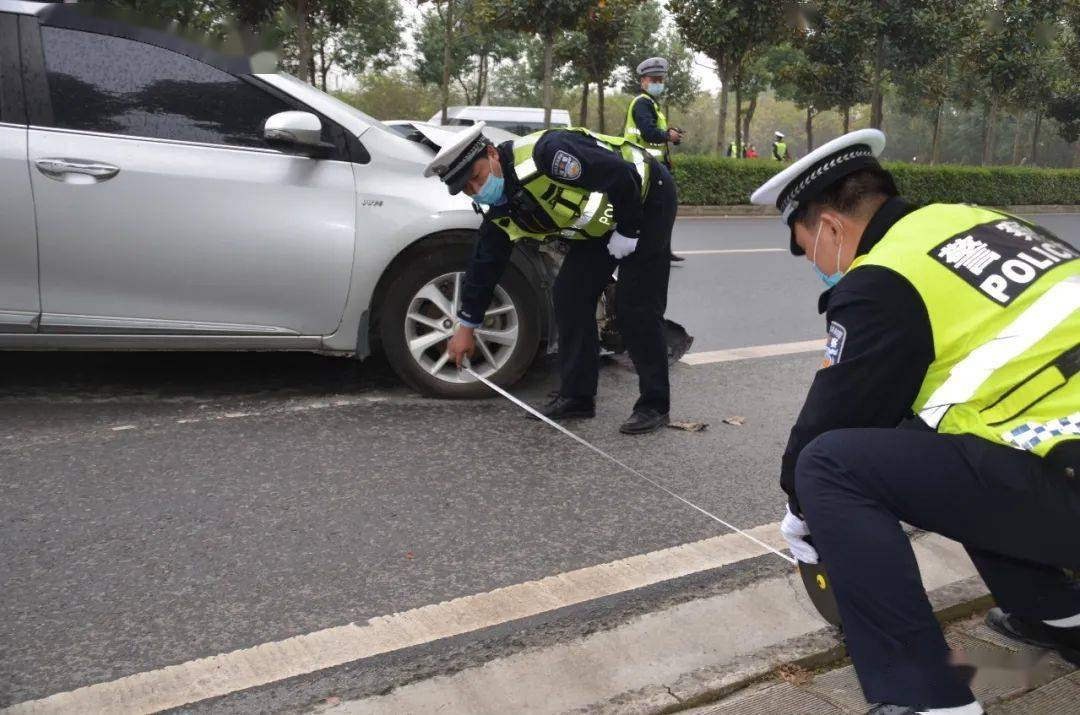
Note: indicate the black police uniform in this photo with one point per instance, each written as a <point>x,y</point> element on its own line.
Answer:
<point>855,477</point>
<point>641,293</point>
<point>646,120</point>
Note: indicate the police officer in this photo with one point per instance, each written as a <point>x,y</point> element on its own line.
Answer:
<point>780,148</point>
<point>617,204</point>
<point>646,124</point>
<point>949,399</point>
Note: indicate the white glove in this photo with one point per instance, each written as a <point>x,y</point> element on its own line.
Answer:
<point>621,246</point>
<point>794,530</point>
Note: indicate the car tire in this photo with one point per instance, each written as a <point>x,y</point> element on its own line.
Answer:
<point>408,300</point>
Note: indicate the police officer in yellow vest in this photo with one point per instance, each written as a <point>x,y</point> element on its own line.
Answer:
<point>646,124</point>
<point>780,148</point>
<point>617,205</point>
<point>949,399</point>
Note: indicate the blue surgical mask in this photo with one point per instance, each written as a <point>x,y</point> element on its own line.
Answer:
<point>828,280</point>
<point>655,89</point>
<point>491,191</point>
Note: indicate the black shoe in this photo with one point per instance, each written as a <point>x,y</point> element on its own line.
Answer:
<point>676,258</point>
<point>1066,641</point>
<point>643,421</point>
<point>567,408</point>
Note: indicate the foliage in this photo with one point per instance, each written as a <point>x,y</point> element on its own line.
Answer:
<point>708,181</point>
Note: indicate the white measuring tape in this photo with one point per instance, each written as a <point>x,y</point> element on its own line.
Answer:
<point>630,469</point>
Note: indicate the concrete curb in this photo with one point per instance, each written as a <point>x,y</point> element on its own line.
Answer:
<point>665,661</point>
<point>950,602</point>
<point>735,211</point>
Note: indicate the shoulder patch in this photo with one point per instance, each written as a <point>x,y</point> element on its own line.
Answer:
<point>566,166</point>
<point>834,344</point>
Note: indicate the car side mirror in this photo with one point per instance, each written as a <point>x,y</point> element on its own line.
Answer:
<point>296,132</point>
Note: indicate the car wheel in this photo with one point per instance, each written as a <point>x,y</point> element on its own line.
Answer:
<point>419,316</point>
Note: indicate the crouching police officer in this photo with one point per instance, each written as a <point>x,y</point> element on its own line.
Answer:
<point>618,205</point>
<point>949,399</point>
<point>646,124</point>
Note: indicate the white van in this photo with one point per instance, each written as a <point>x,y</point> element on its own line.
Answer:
<point>519,120</point>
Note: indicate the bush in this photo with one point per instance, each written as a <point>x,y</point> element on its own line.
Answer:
<point>713,181</point>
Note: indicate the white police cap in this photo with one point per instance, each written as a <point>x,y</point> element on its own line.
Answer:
<point>779,134</point>
<point>805,179</point>
<point>452,163</point>
<point>653,67</point>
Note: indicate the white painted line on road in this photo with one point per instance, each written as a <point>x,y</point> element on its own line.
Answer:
<point>756,351</point>
<point>123,427</point>
<point>196,680</point>
<point>731,250</point>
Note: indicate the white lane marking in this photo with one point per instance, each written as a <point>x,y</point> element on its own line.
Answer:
<point>196,680</point>
<point>755,351</point>
<point>731,250</point>
<point>122,428</point>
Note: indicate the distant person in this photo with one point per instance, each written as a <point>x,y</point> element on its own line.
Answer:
<point>751,152</point>
<point>735,150</point>
<point>780,150</point>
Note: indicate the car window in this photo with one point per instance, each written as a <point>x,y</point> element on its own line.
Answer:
<point>115,85</point>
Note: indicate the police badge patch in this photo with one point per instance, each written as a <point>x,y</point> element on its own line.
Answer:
<point>566,166</point>
<point>834,344</point>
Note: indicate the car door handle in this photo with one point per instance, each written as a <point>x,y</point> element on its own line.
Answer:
<point>58,168</point>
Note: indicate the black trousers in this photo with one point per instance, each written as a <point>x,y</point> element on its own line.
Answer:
<point>1016,514</point>
<point>640,302</point>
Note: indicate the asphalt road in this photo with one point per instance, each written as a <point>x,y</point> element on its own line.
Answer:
<point>160,508</point>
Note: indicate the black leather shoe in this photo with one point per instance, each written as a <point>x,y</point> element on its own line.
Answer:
<point>567,408</point>
<point>643,421</point>
<point>1066,641</point>
<point>675,258</point>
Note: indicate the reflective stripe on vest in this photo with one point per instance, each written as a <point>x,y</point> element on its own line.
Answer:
<point>632,133</point>
<point>577,212</point>
<point>1003,299</point>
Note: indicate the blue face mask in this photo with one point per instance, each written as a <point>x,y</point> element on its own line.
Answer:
<point>828,280</point>
<point>491,191</point>
<point>655,89</point>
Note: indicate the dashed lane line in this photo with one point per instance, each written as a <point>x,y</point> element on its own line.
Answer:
<point>756,351</point>
<point>196,680</point>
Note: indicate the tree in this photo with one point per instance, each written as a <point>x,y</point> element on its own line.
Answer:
<point>476,48</point>
<point>1064,104</point>
<point>1000,56</point>
<point>681,87</point>
<point>727,32</point>
<point>546,18</point>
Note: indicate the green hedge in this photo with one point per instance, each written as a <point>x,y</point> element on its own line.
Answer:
<point>713,181</point>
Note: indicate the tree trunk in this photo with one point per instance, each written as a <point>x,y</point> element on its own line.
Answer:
<point>721,125</point>
<point>847,119</point>
<point>303,39</point>
<point>1076,156</point>
<point>549,99</point>
<point>989,120</point>
<point>600,105</point>
<point>448,39</point>
<point>939,119</point>
<point>809,129</point>
<point>324,66</point>
<point>583,120</point>
<point>481,79</point>
<point>1035,139</point>
<point>1017,144</point>
<point>747,118</point>
<point>876,97</point>
<point>738,121</point>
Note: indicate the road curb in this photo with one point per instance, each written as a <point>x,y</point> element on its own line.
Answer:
<point>746,210</point>
<point>951,602</point>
